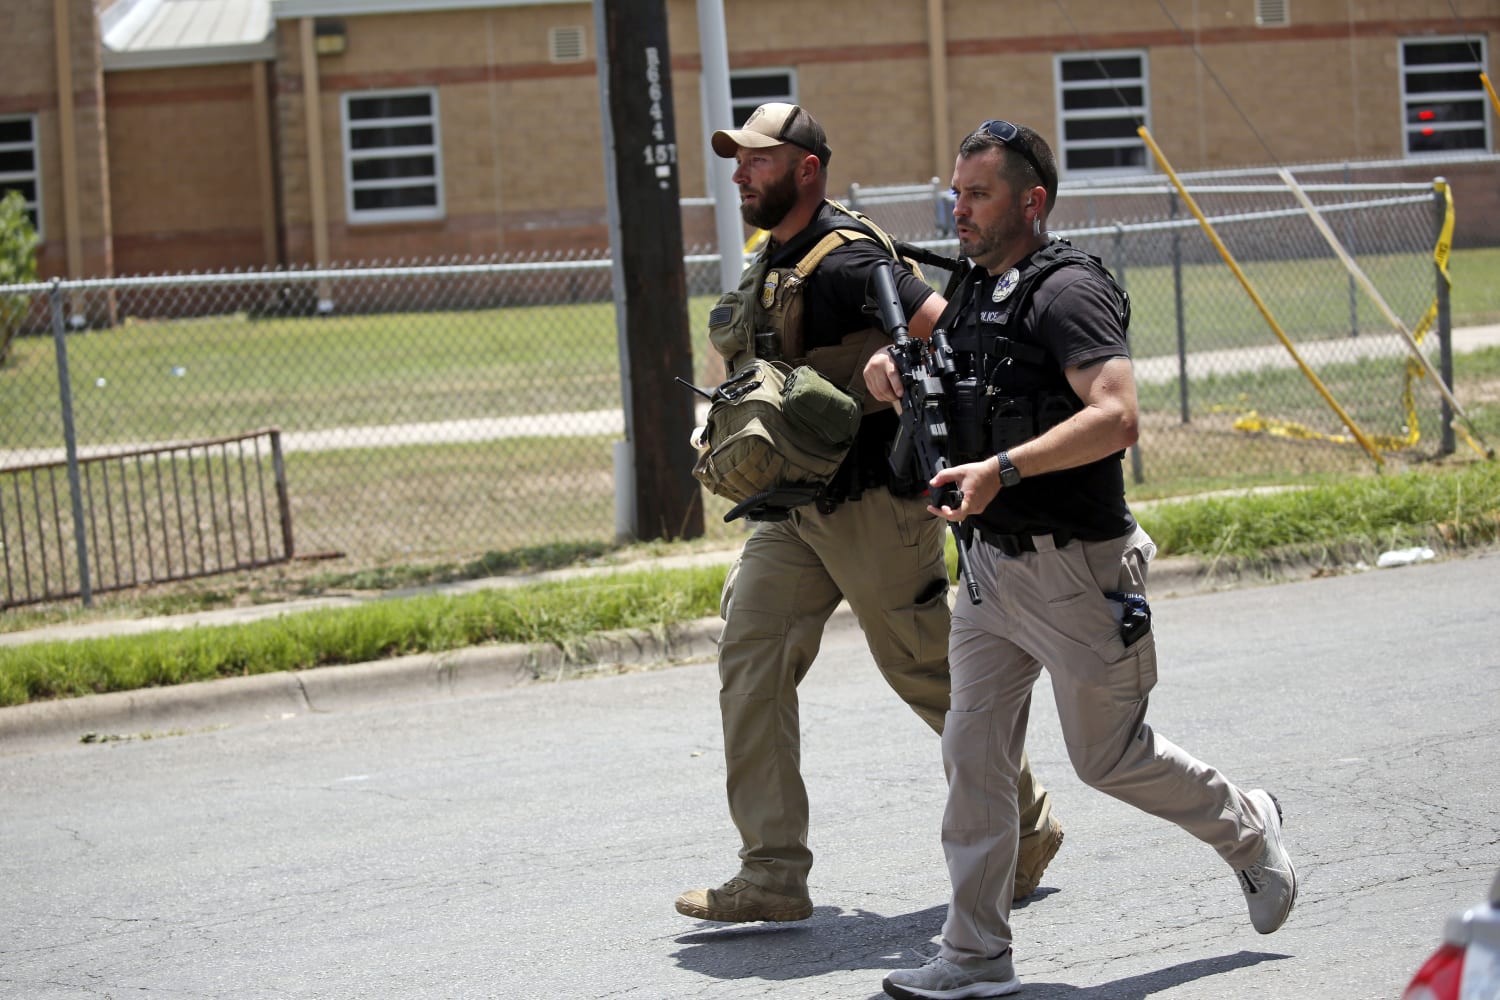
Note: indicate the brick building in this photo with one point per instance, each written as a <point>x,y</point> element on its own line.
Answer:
<point>163,135</point>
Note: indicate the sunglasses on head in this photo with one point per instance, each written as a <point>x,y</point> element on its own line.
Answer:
<point>1010,137</point>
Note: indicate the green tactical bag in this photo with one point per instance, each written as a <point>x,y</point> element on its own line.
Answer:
<point>774,433</point>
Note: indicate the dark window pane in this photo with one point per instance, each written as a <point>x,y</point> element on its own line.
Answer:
<point>1099,159</point>
<point>1100,128</point>
<point>388,168</point>
<point>384,138</point>
<point>17,161</point>
<point>1087,100</point>
<point>1435,141</point>
<point>27,189</point>
<point>1446,111</point>
<point>394,106</point>
<point>371,199</point>
<point>747,88</point>
<point>16,130</point>
<point>1428,53</point>
<point>1108,68</point>
<point>1447,82</point>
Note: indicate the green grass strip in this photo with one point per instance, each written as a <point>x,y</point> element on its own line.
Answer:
<point>1391,511</point>
<point>560,613</point>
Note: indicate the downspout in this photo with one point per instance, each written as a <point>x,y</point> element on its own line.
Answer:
<point>67,125</point>
<point>937,71</point>
<point>265,167</point>
<point>317,196</point>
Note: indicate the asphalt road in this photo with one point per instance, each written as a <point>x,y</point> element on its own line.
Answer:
<point>529,843</point>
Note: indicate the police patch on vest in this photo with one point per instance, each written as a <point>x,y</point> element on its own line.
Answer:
<point>1007,284</point>
<point>768,290</point>
<point>994,317</point>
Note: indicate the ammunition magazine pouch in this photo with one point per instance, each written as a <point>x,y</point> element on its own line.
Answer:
<point>775,436</point>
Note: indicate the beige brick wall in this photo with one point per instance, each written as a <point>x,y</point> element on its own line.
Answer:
<point>183,168</point>
<point>522,165</point>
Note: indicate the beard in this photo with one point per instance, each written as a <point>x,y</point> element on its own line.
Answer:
<point>995,240</point>
<point>778,198</point>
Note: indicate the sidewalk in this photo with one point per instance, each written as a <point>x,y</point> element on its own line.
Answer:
<point>428,676</point>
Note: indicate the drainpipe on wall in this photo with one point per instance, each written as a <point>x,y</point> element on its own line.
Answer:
<point>265,167</point>
<point>937,70</point>
<point>67,126</point>
<point>313,112</point>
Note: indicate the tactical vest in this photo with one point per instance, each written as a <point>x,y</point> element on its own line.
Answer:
<point>763,317</point>
<point>780,426</point>
<point>1012,390</point>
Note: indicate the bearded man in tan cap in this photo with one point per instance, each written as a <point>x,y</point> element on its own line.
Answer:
<point>868,539</point>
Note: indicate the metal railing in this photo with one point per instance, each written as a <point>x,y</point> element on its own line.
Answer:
<point>143,516</point>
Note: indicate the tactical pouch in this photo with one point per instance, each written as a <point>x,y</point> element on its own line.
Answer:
<point>731,322</point>
<point>1012,421</point>
<point>770,427</point>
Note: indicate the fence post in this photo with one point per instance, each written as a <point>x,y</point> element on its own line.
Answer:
<point>1182,372</point>
<point>283,498</point>
<point>70,442</point>
<point>1349,243</point>
<point>1444,317</point>
<point>1137,471</point>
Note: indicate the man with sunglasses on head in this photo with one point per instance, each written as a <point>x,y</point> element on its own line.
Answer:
<point>862,541</point>
<point>1038,333</point>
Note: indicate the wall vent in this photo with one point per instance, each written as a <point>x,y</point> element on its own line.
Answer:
<point>1272,13</point>
<point>566,44</point>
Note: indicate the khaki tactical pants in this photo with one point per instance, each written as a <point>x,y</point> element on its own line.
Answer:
<point>885,556</point>
<point>1048,608</point>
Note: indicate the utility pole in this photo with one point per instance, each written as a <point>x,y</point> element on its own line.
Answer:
<point>656,494</point>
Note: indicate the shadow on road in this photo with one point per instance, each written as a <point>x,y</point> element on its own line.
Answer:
<point>836,940</point>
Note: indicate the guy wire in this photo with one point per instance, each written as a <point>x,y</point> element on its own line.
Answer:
<point>1463,29</point>
<point>1197,54</point>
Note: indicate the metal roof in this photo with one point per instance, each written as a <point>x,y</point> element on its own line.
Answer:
<point>152,34</point>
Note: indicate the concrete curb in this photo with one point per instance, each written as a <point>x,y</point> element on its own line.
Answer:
<point>423,677</point>
<point>287,694</point>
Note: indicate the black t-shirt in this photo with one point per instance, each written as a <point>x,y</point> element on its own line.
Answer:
<point>833,301</point>
<point>1073,316</point>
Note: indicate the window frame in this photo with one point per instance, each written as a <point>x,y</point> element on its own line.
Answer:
<point>740,108</point>
<point>1142,112</point>
<point>34,176</point>
<point>369,216</point>
<point>1479,94</point>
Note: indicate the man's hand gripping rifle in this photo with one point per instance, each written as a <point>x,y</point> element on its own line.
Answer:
<point>926,373</point>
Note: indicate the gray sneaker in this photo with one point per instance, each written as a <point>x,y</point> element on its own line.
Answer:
<point>941,979</point>
<point>1270,885</point>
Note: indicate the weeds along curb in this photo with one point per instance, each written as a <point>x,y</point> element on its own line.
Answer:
<point>163,711</point>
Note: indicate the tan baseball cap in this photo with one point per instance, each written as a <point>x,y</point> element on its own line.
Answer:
<point>772,125</point>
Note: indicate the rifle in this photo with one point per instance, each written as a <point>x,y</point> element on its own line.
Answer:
<point>927,375</point>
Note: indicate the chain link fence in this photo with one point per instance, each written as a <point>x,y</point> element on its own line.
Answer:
<point>438,412</point>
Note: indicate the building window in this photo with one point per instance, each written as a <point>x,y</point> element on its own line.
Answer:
<point>19,164</point>
<point>750,89</point>
<point>392,156</point>
<point>1101,101</point>
<point>1443,100</point>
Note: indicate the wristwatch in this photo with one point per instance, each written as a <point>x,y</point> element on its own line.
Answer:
<point>1009,474</point>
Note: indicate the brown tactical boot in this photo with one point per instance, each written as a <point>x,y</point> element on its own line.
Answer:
<point>1033,856</point>
<point>739,902</point>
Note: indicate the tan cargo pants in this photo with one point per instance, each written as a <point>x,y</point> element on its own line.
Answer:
<point>882,554</point>
<point>1048,608</point>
